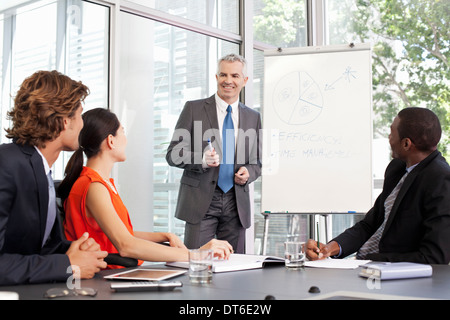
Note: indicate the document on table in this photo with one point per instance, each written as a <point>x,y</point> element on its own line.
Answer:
<point>236,262</point>
<point>336,263</point>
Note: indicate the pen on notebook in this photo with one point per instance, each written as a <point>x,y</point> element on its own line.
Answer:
<point>318,242</point>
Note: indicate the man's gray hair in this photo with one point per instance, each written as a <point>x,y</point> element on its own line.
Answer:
<point>232,57</point>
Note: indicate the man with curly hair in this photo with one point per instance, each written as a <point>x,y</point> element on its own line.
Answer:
<point>46,119</point>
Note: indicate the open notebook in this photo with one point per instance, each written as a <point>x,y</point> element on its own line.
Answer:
<point>236,262</point>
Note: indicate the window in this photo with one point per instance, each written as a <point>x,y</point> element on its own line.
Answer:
<point>221,14</point>
<point>72,38</point>
<point>280,23</point>
<point>167,53</point>
<point>406,66</point>
<point>162,67</point>
<point>276,23</point>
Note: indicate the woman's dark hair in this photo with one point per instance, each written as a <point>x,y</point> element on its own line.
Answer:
<point>99,123</point>
<point>421,126</point>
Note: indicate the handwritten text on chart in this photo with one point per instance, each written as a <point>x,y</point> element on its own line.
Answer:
<point>306,145</point>
<point>297,136</point>
<point>312,153</point>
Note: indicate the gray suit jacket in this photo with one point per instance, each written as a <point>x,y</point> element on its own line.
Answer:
<point>198,123</point>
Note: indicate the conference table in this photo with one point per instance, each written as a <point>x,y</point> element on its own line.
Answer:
<point>271,282</point>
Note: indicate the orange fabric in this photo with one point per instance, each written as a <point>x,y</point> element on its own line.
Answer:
<point>77,222</point>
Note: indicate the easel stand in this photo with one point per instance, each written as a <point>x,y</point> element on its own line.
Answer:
<point>312,219</point>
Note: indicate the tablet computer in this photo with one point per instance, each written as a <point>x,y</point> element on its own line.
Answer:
<point>146,274</point>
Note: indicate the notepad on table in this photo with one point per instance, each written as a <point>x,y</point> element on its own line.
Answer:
<point>235,262</point>
<point>396,270</point>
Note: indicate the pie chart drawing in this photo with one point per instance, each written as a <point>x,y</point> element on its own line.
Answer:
<point>297,99</point>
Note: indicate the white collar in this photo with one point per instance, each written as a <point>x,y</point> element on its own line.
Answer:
<point>44,161</point>
<point>223,105</point>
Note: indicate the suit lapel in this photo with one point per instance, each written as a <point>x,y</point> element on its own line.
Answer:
<point>211,113</point>
<point>242,111</point>
<point>42,188</point>
<point>243,126</point>
<point>406,185</point>
<point>404,189</point>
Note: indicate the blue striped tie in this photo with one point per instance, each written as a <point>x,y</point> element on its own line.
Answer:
<point>226,169</point>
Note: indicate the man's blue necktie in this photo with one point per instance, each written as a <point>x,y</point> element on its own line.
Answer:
<point>226,169</point>
<point>51,214</point>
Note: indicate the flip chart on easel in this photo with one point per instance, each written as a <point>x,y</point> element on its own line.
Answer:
<point>317,121</point>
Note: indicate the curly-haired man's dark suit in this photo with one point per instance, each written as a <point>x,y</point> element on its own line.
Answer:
<point>23,215</point>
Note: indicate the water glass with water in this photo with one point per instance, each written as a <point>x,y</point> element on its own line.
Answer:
<point>200,265</point>
<point>294,254</point>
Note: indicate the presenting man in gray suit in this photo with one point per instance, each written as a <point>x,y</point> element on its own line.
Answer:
<point>216,141</point>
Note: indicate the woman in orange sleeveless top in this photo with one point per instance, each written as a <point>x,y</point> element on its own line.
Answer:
<point>92,204</point>
<point>77,221</point>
